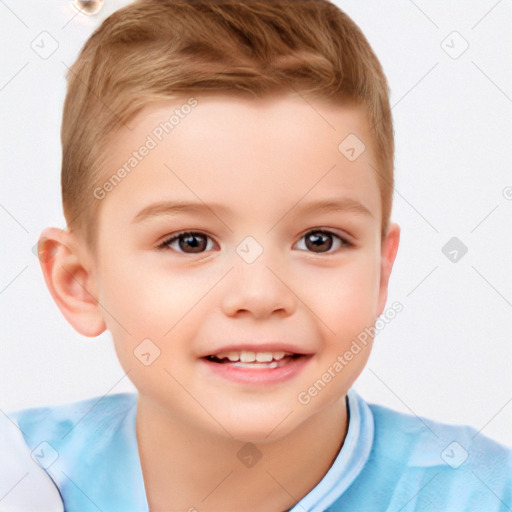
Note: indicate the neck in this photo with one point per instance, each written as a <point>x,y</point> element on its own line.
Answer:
<point>192,468</point>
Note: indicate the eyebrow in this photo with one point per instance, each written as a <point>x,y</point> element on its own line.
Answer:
<point>176,207</point>
<point>342,204</point>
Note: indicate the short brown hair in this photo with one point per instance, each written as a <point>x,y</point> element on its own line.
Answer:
<point>153,50</point>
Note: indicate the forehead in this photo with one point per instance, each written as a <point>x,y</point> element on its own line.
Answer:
<point>257,153</point>
<point>254,120</point>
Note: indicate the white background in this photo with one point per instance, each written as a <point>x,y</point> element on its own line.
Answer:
<point>448,354</point>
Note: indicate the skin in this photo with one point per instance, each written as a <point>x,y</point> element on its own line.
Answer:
<point>263,160</point>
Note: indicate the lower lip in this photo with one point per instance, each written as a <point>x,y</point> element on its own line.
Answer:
<point>258,376</point>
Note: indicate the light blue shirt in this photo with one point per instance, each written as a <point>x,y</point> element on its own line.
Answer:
<point>87,451</point>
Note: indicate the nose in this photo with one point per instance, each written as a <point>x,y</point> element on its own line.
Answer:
<point>258,289</point>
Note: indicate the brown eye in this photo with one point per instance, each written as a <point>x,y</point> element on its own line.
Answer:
<point>321,241</point>
<point>318,242</point>
<point>188,242</point>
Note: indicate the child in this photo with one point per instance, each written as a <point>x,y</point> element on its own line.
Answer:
<point>227,180</point>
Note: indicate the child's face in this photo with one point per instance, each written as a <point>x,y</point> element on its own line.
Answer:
<point>267,271</point>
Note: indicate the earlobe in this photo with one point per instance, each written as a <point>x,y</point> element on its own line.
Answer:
<point>388,255</point>
<point>70,281</point>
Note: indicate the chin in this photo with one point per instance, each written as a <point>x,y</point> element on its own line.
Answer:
<point>260,426</point>
<point>259,435</point>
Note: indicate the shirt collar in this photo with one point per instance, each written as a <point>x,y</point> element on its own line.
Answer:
<point>349,462</point>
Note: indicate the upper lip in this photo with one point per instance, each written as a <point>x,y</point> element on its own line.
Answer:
<point>259,347</point>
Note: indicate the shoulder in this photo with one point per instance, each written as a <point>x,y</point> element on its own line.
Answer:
<point>58,422</point>
<point>84,448</point>
<point>416,464</point>
<point>427,442</point>
<point>66,433</point>
<point>435,465</point>
<point>91,409</point>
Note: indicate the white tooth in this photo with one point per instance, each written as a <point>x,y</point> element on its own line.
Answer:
<point>263,357</point>
<point>221,355</point>
<point>247,357</point>
<point>256,365</point>
<point>278,355</point>
<point>239,364</point>
<point>234,356</point>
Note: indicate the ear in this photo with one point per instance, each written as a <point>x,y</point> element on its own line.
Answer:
<point>70,280</point>
<point>389,250</point>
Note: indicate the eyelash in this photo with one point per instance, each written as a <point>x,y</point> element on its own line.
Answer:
<point>344,243</point>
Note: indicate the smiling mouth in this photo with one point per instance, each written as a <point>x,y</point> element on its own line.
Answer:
<point>248,359</point>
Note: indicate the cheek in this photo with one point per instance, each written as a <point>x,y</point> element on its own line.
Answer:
<point>149,299</point>
<point>344,299</point>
